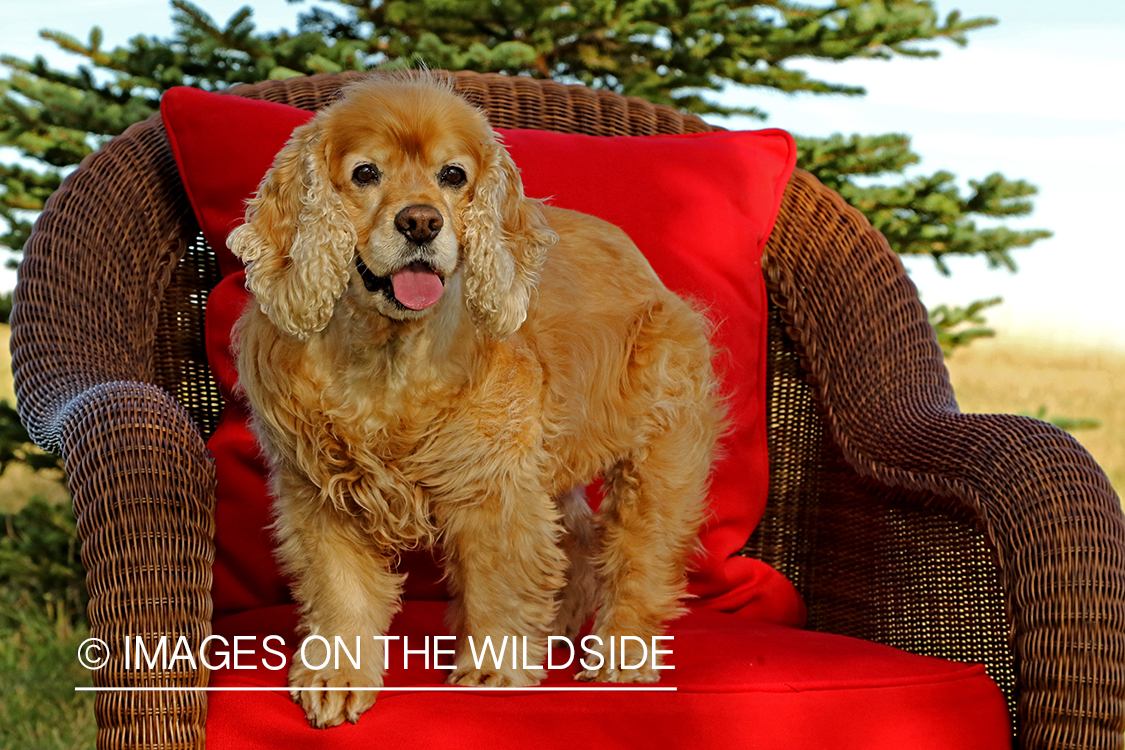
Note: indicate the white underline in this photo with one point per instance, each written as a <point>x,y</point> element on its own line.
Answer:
<point>416,689</point>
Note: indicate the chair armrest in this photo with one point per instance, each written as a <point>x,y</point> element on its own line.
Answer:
<point>83,339</point>
<point>144,490</point>
<point>1048,509</point>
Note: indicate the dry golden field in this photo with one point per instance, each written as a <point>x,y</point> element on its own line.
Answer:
<point>1010,376</point>
<point>17,484</point>
<point>5,365</point>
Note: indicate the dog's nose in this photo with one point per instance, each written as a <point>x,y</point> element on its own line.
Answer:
<point>419,223</point>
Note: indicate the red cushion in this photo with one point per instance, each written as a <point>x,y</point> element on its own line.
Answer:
<point>655,188</point>
<point>739,683</point>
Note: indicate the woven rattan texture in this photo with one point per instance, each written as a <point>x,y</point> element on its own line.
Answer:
<point>989,539</point>
<point>919,575</point>
<point>180,365</point>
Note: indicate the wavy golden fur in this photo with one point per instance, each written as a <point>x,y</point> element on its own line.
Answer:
<point>436,359</point>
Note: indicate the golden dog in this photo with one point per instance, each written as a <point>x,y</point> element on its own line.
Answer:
<point>435,358</point>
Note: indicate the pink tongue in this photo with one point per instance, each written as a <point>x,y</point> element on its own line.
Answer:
<point>417,287</point>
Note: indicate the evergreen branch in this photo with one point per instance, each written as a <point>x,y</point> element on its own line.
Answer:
<point>91,51</point>
<point>960,326</point>
<point>191,16</point>
<point>870,42</point>
<point>838,159</point>
<point>924,215</point>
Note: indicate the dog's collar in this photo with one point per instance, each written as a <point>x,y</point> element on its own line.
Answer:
<point>372,282</point>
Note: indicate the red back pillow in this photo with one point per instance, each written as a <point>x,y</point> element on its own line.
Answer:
<point>700,207</point>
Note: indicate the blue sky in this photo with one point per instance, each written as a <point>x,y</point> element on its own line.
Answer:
<point>1037,97</point>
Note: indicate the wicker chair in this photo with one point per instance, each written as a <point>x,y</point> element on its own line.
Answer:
<point>992,539</point>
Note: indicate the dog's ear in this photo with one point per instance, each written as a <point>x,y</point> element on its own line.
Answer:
<point>505,240</point>
<point>297,239</point>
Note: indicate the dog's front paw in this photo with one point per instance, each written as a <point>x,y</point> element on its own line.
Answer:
<point>626,665</point>
<point>489,677</point>
<point>644,674</point>
<point>329,708</point>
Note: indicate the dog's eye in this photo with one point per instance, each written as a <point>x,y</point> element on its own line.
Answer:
<point>365,174</point>
<point>452,176</point>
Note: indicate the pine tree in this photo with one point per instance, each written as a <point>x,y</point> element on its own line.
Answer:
<point>679,52</point>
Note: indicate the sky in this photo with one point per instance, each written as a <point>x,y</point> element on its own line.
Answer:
<point>1038,97</point>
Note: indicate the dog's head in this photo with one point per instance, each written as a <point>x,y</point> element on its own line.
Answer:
<point>398,190</point>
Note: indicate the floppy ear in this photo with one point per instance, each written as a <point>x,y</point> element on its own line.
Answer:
<point>505,240</point>
<point>297,239</point>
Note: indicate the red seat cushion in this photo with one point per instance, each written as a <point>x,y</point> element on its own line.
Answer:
<point>739,683</point>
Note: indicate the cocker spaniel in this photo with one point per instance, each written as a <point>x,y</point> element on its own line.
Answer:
<point>434,358</point>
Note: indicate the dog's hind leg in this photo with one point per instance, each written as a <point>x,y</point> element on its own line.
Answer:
<point>647,530</point>
<point>649,520</point>
<point>579,595</point>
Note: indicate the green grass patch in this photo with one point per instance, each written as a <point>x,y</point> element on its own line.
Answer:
<point>42,623</point>
<point>39,707</point>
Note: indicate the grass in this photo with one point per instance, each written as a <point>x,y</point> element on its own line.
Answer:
<point>41,627</point>
<point>1009,376</point>
<point>40,709</point>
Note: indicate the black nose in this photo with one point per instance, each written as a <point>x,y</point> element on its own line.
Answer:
<point>419,223</point>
